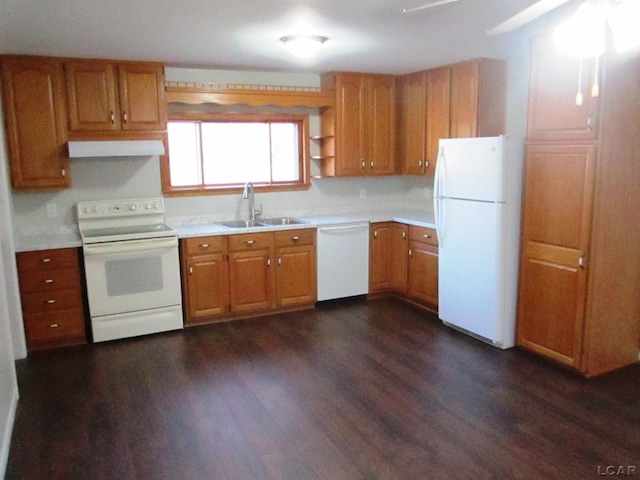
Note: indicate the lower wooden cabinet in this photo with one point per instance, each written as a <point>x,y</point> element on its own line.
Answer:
<point>404,260</point>
<point>51,295</point>
<point>235,275</point>
<point>423,265</point>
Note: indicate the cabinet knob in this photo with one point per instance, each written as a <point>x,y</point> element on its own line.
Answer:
<point>49,280</point>
<point>113,117</point>
<point>46,260</point>
<point>279,261</point>
<point>295,238</point>
<point>51,301</point>
<point>371,163</point>
<point>204,245</point>
<point>124,116</point>
<point>250,242</point>
<point>268,262</point>
<point>419,163</point>
<point>404,234</point>
<point>363,164</point>
<point>426,235</point>
<point>54,325</point>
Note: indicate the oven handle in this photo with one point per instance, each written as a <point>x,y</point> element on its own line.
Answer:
<point>129,246</point>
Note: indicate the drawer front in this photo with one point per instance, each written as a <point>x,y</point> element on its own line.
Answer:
<point>291,238</point>
<point>46,327</point>
<point>50,301</point>
<point>250,241</point>
<point>423,234</point>
<point>205,245</point>
<point>47,259</point>
<point>49,280</point>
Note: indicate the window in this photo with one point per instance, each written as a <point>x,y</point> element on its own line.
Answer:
<point>220,153</point>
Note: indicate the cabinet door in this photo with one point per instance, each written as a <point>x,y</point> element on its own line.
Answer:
<point>380,251</point>
<point>464,100</point>
<point>553,113</point>
<point>555,240</point>
<point>381,120</point>
<point>350,101</point>
<point>142,96</point>
<point>251,277</point>
<point>423,272</point>
<point>296,275</point>
<point>35,115</point>
<point>414,123</point>
<point>207,286</point>
<point>398,270</point>
<point>92,96</point>
<point>438,110</point>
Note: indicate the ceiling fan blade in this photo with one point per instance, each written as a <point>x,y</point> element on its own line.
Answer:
<point>527,15</point>
<point>428,5</point>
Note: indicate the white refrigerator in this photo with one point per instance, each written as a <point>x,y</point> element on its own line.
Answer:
<point>477,198</point>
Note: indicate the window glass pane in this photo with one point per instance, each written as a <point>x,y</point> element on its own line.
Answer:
<point>235,153</point>
<point>284,152</point>
<point>184,153</point>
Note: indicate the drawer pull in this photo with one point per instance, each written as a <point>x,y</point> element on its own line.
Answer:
<point>295,238</point>
<point>51,301</point>
<point>426,235</point>
<point>250,242</point>
<point>46,260</point>
<point>49,280</point>
<point>54,325</point>
<point>204,245</point>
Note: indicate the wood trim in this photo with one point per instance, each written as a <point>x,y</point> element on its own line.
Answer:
<point>254,97</point>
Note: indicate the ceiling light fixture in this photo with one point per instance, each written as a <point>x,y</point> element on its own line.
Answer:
<point>304,46</point>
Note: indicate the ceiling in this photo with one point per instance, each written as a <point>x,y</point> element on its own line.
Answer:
<point>364,35</point>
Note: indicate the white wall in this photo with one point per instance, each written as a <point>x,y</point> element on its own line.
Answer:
<point>10,317</point>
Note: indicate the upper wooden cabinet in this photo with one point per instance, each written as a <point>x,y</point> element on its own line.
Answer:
<point>35,114</point>
<point>462,100</point>
<point>362,122</point>
<point>554,80</point>
<point>112,97</point>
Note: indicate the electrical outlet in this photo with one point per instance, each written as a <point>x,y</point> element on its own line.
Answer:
<point>52,210</point>
<point>363,193</point>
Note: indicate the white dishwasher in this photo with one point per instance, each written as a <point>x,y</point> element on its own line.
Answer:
<point>343,260</point>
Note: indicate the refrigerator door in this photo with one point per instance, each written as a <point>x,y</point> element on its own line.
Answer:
<point>471,168</point>
<point>471,268</point>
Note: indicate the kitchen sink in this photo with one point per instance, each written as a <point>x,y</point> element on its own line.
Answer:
<point>281,221</point>
<point>242,224</point>
<point>266,222</point>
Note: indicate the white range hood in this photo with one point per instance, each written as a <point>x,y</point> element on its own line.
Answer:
<point>116,148</point>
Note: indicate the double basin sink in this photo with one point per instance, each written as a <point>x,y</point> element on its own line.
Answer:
<point>266,222</point>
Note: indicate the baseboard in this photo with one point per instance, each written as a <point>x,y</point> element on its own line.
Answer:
<point>6,437</point>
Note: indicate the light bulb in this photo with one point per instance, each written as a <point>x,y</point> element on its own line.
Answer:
<point>304,46</point>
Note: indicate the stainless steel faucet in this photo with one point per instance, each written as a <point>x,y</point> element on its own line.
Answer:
<point>248,194</point>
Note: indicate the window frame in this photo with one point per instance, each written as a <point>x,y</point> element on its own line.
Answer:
<point>303,154</point>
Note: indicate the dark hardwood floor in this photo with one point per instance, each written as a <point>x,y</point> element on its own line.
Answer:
<point>351,390</point>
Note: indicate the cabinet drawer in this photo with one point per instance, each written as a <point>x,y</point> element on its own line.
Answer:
<point>290,238</point>
<point>46,327</point>
<point>423,234</point>
<point>47,259</point>
<point>250,241</point>
<point>205,245</point>
<point>50,301</point>
<point>49,280</point>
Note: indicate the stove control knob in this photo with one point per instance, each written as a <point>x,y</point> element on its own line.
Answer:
<point>147,206</point>
<point>132,207</point>
<point>86,210</point>
<point>95,210</point>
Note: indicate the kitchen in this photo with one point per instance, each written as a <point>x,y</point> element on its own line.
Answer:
<point>135,178</point>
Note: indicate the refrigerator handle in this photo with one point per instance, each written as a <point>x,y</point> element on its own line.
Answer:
<point>437,201</point>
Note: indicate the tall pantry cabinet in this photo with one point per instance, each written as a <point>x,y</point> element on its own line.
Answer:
<point>579,288</point>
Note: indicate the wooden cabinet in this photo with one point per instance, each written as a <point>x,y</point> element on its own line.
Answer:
<point>114,97</point>
<point>251,271</point>
<point>398,270</point>
<point>380,255</point>
<point>423,265</point>
<point>580,252</point>
<point>205,277</point>
<point>51,297</point>
<point>295,267</point>
<point>362,123</point>
<point>462,100</point>
<point>34,106</point>
<point>554,79</point>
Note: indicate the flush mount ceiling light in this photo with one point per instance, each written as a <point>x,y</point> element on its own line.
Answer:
<point>304,46</point>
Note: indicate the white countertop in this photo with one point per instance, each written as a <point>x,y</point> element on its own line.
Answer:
<point>70,238</point>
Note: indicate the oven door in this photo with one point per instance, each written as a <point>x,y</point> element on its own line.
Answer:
<point>132,275</point>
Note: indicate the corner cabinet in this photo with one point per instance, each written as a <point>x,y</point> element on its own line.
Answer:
<point>362,122</point>
<point>467,99</point>
<point>35,117</point>
<point>423,265</point>
<point>114,97</point>
<point>580,251</point>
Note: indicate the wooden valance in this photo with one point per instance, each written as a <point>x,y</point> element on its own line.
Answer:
<point>240,94</point>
